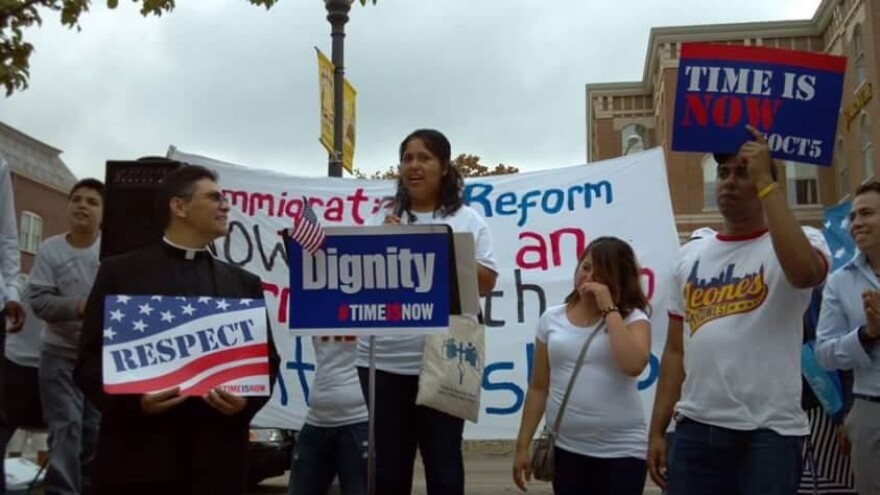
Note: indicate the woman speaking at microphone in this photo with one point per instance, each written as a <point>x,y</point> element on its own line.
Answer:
<point>429,191</point>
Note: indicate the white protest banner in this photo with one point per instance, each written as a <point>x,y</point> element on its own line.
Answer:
<point>540,222</point>
<point>154,343</point>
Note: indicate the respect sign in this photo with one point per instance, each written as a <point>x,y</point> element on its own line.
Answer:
<point>793,97</point>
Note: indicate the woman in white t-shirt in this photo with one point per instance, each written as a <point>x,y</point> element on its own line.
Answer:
<point>429,191</point>
<point>601,444</point>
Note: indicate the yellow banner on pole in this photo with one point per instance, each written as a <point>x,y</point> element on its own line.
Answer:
<point>325,82</point>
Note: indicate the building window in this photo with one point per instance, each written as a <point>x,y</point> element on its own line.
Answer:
<point>802,183</point>
<point>842,167</point>
<point>30,233</point>
<point>867,147</point>
<point>710,173</point>
<point>633,138</point>
<point>858,46</point>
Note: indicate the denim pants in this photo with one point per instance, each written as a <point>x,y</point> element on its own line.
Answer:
<point>709,460</point>
<point>73,425</point>
<point>323,453</point>
<point>401,426</point>
<point>576,474</point>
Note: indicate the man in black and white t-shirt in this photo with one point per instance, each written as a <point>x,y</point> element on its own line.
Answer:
<point>731,367</point>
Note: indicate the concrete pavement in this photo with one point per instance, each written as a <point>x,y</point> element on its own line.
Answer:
<point>487,472</point>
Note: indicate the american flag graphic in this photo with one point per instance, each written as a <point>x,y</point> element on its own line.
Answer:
<point>307,231</point>
<point>154,343</point>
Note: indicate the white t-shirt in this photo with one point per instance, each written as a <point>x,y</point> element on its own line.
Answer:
<point>402,354</point>
<point>743,332</point>
<point>604,416</point>
<point>336,398</point>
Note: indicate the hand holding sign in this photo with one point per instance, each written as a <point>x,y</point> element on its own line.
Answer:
<point>756,155</point>
<point>160,402</point>
<point>224,402</point>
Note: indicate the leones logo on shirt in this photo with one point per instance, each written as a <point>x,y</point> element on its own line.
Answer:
<point>722,295</point>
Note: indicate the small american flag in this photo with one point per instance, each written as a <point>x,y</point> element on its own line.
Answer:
<point>307,232</point>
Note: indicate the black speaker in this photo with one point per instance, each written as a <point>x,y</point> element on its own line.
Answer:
<point>130,219</point>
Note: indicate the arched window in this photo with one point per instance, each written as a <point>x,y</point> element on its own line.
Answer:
<point>802,183</point>
<point>30,232</point>
<point>710,172</point>
<point>633,138</point>
<point>858,45</point>
<point>842,167</point>
<point>867,147</point>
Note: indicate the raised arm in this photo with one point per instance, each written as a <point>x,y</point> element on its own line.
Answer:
<point>804,267</point>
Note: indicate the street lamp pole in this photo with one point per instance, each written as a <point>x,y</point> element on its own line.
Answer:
<point>337,14</point>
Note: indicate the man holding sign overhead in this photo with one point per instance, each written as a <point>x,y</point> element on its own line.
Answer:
<point>176,353</point>
<point>731,367</point>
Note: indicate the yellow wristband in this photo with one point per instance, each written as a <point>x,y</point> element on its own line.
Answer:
<point>769,188</point>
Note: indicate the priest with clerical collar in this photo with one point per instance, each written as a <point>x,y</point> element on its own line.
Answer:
<point>164,442</point>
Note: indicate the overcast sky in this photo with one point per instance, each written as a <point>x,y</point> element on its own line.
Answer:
<point>503,79</point>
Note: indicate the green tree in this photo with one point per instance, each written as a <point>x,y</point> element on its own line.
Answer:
<point>17,16</point>
<point>467,165</point>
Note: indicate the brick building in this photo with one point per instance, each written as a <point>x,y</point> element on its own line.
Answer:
<point>40,182</point>
<point>624,117</point>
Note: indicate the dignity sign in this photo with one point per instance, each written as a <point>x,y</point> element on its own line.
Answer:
<point>371,281</point>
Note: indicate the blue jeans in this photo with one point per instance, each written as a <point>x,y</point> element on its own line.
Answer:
<point>323,453</point>
<point>709,460</point>
<point>576,474</point>
<point>73,425</point>
<point>402,427</point>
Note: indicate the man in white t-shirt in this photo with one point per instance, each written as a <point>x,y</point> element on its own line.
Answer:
<point>731,368</point>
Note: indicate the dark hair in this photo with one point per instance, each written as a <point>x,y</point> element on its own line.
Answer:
<point>724,157</point>
<point>867,187</point>
<point>451,184</point>
<point>179,183</point>
<point>615,265</point>
<point>89,183</point>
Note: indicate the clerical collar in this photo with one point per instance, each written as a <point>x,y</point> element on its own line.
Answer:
<point>185,252</point>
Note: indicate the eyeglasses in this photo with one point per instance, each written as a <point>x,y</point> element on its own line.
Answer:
<point>215,196</point>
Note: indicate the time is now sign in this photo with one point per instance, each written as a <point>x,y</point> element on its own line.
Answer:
<point>793,97</point>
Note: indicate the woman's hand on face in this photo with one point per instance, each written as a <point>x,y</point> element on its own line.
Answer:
<point>599,292</point>
<point>391,220</point>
